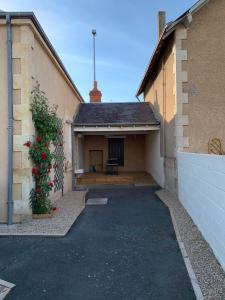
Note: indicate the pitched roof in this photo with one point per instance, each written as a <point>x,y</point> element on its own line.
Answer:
<point>163,42</point>
<point>115,114</point>
<point>32,17</point>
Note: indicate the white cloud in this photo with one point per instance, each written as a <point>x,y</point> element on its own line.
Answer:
<point>83,60</point>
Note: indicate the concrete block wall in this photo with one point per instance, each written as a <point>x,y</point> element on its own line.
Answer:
<point>201,190</point>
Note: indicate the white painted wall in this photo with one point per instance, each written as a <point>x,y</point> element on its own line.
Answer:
<point>201,190</point>
<point>153,160</point>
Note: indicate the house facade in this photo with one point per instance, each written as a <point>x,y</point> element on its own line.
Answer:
<point>184,82</point>
<point>27,57</point>
<point>183,105</point>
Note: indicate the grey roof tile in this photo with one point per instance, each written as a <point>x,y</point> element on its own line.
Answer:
<point>102,114</point>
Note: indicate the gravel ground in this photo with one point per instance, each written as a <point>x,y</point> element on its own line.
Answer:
<point>208,271</point>
<point>69,208</point>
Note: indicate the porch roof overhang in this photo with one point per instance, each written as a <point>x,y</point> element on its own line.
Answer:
<point>115,128</point>
<point>115,117</point>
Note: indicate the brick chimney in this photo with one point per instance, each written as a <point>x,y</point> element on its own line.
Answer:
<point>95,94</point>
<point>161,22</point>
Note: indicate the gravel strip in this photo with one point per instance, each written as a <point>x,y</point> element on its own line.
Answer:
<point>208,271</point>
<point>69,207</point>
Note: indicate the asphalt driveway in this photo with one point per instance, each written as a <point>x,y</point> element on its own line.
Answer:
<point>125,250</point>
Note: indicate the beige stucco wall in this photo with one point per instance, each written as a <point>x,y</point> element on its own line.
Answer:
<point>160,91</point>
<point>94,142</point>
<point>134,151</point>
<point>205,67</point>
<point>58,92</point>
<point>3,124</point>
<point>32,61</point>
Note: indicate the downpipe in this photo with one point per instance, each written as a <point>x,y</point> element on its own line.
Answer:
<point>10,122</point>
<point>73,160</point>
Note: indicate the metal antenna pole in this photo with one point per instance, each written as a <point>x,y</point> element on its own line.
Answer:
<point>94,34</point>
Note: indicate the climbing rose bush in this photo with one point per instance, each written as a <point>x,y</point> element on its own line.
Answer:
<point>46,128</point>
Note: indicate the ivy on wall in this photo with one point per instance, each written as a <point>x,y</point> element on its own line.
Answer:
<point>47,130</point>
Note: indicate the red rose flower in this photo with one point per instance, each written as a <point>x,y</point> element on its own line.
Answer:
<point>34,171</point>
<point>56,180</point>
<point>43,155</point>
<point>54,208</point>
<point>61,145</point>
<point>38,139</point>
<point>51,184</point>
<point>38,190</point>
<point>36,148</point>
<point>28,144</point>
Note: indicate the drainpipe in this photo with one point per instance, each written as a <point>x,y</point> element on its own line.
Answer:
<point>164,108</point>
<point>73,159</point>
<point>10,122</point>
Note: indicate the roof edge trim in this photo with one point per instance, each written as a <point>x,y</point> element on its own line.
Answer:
<point>168,30</point>
<point>32,17</point>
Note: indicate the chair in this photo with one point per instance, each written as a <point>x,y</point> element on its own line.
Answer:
<point>112,166</point>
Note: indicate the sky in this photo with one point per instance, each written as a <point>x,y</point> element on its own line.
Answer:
<point>126,38</point>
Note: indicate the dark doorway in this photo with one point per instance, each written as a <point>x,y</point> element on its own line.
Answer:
<point>116,150</point>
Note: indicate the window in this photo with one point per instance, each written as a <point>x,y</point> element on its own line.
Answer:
<point>116,150</point>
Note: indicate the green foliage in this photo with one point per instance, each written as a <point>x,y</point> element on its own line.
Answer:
<point>46,127</point>
<point>39,204</point>
<point>43,116</point>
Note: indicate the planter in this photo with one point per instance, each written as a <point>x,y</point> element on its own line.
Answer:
<point>45,216</point>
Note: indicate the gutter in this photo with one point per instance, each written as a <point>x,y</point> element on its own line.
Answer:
<point>10,121</point>
<point>155,52</point>
<point>114,124</point>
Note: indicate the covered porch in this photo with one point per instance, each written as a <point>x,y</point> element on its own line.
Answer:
<point>114,142</point>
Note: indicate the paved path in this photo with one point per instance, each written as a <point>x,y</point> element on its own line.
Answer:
<point>125,250</point>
